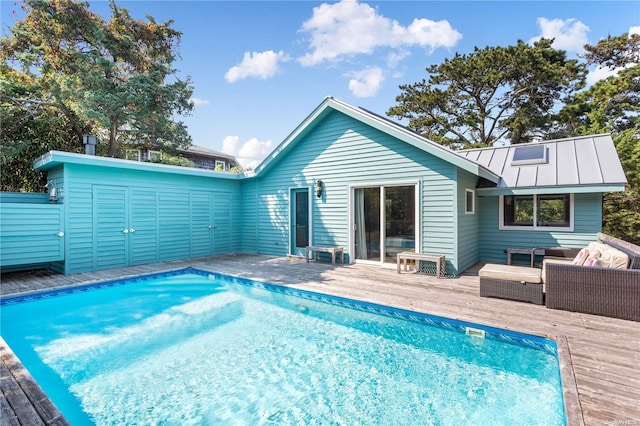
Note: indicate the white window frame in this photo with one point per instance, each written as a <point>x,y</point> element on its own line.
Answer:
<point>137,151</point>
<point>535,226</point>
<point>351,222</point>
<point>220,163</point>
<point>152,153</point>
<point>473,201</point>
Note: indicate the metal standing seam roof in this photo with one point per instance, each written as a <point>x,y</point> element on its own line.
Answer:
<point>580,161</point>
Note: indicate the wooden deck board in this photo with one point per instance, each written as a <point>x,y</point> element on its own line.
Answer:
<point>605,351</point>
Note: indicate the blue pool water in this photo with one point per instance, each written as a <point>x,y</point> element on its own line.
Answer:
<point>193,347</point>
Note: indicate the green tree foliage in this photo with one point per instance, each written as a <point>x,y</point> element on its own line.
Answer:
<point>613,106</point>
<point>31,125</point>
<point>172,160</point>
<point>493,94</point>
<point>113,78</point>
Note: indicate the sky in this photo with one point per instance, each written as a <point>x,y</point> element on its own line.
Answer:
<point>259,68</point>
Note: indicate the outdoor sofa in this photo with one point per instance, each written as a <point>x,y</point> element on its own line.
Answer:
<point>602,279</point>
<point>594,289</point>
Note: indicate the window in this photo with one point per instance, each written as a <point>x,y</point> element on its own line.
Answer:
<point>554,211</point>
<point>547,211</point>
<point>523,155</point>
<point>155,156</point>
<point>133,154</point>
<point>220,165</point>
<point>469,201</point>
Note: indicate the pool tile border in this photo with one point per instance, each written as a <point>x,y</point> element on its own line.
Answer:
<point>535,342</point>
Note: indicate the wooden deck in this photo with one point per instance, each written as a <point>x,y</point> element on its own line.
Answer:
<point>605,352</point>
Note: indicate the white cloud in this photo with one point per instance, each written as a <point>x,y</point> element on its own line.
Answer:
<point>569,34</point>
<point>260,65</point>
<point>395,57</point>
<point>344,29</point>
<point>198,102</point>
<point>250,153</point>
<point>602,73</point>
<point>365,83</point>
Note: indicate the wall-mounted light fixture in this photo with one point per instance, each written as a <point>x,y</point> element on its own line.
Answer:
<point>53,193</point>
<point>319,188</point>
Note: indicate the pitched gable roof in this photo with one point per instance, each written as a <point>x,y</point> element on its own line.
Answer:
<point>206,152</point>
<point>581,164</point>
<point>380,123</point>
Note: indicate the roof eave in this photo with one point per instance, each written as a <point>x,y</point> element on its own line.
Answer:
<point>55,158</point>
<point>385,126</point>
<point>558,189</point>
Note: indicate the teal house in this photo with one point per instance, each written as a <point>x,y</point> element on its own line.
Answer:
<point>344,177</point>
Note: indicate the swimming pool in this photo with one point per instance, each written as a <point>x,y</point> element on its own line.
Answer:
<point>195,347</point>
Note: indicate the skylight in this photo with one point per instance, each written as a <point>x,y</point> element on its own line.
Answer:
<point>535,154</point>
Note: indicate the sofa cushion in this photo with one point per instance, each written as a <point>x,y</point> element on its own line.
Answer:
<point>593,259</point>
<point>611,257</point>
<point>581,257</point>
<point>510,273</point>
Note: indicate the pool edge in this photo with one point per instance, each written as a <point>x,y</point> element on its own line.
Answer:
<point>573,408</point>
<point>22,394</point>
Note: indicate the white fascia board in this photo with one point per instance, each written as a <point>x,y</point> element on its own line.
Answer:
<point>54,158</point>
<point>574,189</point>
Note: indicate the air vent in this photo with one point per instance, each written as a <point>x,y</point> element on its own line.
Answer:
<point>523,155</point>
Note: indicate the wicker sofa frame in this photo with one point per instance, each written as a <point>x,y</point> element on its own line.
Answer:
<point>594,290</point>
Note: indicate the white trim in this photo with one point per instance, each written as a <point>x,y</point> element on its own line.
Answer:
<point>137,151</point>
<point>150,153</point>
<point>473,201</point>
<point>310,200</point>
<point>220,163</point>
<point>535,227</point>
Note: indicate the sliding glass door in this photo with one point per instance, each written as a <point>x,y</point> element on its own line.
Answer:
<point>367,223</point>
<point>384,222</point>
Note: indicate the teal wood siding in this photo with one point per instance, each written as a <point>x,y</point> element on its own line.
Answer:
<point>342,151</point>
<point>174,224</point>
<point>24,197</point>
<point>144,222</point>
<point>249,217</point>
<point>110,227</point>
<point>201,222</point>
<point>29,233</point>
<point>119,217</point>
<point>494,242</point>
<point>222,223</point>
<point>468,229</point>
<point>237,211</point>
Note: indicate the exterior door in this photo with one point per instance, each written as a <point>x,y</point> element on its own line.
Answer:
<point>222,223</point>
<point>201,207</point>
<point>143,229</point>
<point>367,224</point>
<point>211,223</point>
<point>385,222</point>
<point>300,223</point>
<point>110,227</point>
